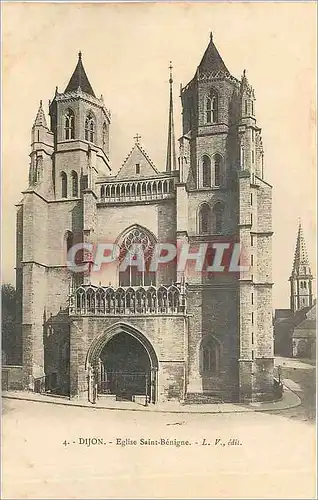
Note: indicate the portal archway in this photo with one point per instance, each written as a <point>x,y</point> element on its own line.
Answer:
<point>122,362</point>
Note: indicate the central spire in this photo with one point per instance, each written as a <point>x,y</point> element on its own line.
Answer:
<point>171,147</point>
<point>79,79</point>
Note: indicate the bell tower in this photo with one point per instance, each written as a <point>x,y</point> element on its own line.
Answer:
<point>301,293</point>
<point>228,200</point>
<point>209,111</point>
<point>80,124</point>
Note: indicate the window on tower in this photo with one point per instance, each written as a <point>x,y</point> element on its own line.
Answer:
<point>84,183</point>
<point>105,138</point>
<point>74,184</point>
<point>205,219</point>
<point>90,128</point>
<point>63,185</point>
<point>69,240</point>
<point>212,108</point>
<point>217,169</point>
<point>242,157</point>
<point>69,124</point>
<point>38,168</point>
<point>218,218</point>
<point>206,171</point>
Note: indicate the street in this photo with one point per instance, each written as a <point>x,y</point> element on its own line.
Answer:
<point>52,451</point>
<point>300,377</point>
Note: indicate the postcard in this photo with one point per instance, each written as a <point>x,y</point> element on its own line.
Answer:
<point>159,229</point>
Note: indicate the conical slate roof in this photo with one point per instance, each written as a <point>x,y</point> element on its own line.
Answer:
<point>79,79</point>
<point>40,119</point>
<point>301,258</point>
<point>211,61</point>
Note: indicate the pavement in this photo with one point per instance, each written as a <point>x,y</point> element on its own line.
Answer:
<point>295,363</point>
<point>289,400</point>
<point>63,449</point>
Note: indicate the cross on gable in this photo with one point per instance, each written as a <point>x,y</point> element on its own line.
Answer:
<point>137,137</point>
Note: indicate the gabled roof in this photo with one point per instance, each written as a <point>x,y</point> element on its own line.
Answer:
<point>307,328</point>
<point>79,79</point>
<point>211,61</point>
<point>283,313</point>
<point>139,156</point>
<point>40,119</point>
<point>294,320</point>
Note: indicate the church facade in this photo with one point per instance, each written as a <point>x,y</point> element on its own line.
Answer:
<point>163,334</point>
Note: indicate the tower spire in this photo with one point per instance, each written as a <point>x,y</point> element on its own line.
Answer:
<point>301,256</point>
<point>171,162</point>
<point>79,79</point>
<point>40,119</point>
<point>211,62</point>
<point>301,278</point>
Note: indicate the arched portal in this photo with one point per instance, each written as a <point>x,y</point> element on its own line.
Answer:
<point>123,363</point>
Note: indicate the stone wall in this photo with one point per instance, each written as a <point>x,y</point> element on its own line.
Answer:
<point>157,218</point>
<point>167,336</point>
<point>12,378</point>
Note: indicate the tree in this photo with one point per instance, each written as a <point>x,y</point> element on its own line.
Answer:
<point>8,329</point>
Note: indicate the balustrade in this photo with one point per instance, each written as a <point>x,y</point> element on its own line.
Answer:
<point>92,300</point>
<point>138,190</point>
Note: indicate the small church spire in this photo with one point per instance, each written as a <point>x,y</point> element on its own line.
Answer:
<point>301,278</point>
<point>301,256</point>
<point>171,162</point>
<point>40,120</point>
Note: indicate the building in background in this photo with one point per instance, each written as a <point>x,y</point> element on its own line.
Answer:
<point>162,335</point>
<point>295,328</point>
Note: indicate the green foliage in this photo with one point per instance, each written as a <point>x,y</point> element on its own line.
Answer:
<point>8,327</point>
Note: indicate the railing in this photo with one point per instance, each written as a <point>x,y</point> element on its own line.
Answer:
<point>47,383</point>
<point>278,389</point>
<point>40,385</point>
<point>90,300</point>
<point>113,192</point>
<point>124,383</point>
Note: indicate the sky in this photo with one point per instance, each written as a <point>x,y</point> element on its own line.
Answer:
<point>126,52</point>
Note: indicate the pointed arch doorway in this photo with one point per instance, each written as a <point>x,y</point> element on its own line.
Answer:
<point>122,362</point>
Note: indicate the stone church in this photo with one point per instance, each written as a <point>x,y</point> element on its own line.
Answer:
<point>163,335</point>
<point>295,328</point>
